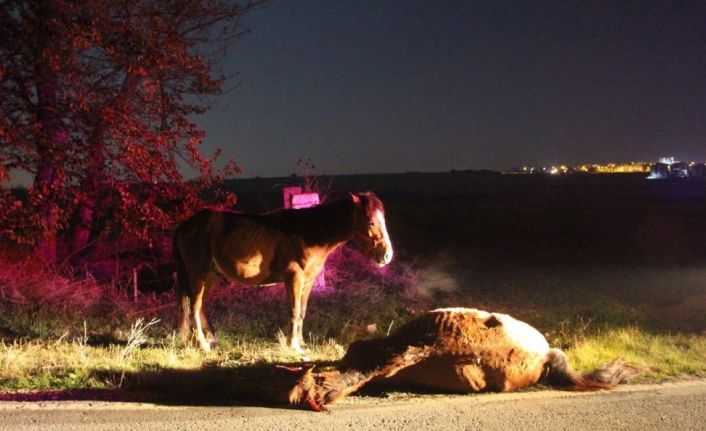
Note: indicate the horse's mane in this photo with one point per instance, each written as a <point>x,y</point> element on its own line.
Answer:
<point>330,221</point>
<point>306,218</point>
<point>322,223</point>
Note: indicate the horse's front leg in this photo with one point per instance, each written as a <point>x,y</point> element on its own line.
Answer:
<point>294,284</point>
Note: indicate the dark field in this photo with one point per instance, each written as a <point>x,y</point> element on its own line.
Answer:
<point>610,249</point>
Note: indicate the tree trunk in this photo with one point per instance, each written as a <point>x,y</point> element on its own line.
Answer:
<point>93,183</point>
<point>44,186</point>
<point>82,229</point>
<point>92,186</point>
<point>51,148</point>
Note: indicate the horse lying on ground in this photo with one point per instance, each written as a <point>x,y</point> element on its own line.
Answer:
<point>289,246</point>
<point>452,350</point>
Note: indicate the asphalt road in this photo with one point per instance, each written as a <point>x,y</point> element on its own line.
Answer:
<point>667,406</point>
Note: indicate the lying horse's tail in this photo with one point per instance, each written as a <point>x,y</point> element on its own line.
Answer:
<point>560,374</point>
<point>182,286</point>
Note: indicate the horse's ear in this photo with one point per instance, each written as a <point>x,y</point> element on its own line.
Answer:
<point>355,197</point>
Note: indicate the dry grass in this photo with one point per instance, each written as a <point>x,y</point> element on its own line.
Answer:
<point>63,332</point>
<point>62,364</point>
<point>662,355</point>
<point>66,332</point>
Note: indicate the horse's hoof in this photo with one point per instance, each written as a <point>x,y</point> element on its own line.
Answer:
<point>212,341</point>
<point>299,352</point>
<point>294,345</point>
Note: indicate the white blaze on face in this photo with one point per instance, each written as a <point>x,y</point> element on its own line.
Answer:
<point>385,236</point>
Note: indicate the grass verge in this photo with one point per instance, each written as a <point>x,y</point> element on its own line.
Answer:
<point>74,364</point>
<point>59,333</point>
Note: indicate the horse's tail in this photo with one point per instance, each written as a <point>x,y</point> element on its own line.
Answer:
<point>182,283</point>
<point>560,374</point>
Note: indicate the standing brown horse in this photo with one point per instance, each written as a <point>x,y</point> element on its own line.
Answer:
<point>289,246</point>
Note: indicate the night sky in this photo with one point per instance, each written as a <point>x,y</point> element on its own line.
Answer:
<point>397,86</point>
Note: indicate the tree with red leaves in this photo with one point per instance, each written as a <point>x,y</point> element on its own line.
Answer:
<point>95,102</point>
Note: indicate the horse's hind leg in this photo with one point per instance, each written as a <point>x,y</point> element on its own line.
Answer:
<point>209,330</point>
<point>185,327</point>
<point>184,293</point>
<point>203,285</point>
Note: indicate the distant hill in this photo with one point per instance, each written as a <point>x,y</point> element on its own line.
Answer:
<point>380,182</point>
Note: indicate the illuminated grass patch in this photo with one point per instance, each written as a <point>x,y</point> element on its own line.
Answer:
<point>662,355</point>
<point>46,365</point>
<point>86,335</point>
<point>73,364</point>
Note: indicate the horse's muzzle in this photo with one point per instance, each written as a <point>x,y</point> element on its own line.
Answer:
<point>383,257</point>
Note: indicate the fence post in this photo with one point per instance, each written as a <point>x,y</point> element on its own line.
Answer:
<point>288,192</point>
<point>134,285</point>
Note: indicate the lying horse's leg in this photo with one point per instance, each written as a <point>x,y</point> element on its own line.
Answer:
<point>294,284</point>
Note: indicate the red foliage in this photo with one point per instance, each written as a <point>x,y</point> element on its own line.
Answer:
<point>95,102</point>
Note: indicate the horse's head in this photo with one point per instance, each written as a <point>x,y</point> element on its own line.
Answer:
<point>315,391</point>
<point>370,233</point>
<point>299,386</point>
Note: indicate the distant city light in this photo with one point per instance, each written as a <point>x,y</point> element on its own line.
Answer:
<point>666,167</point>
